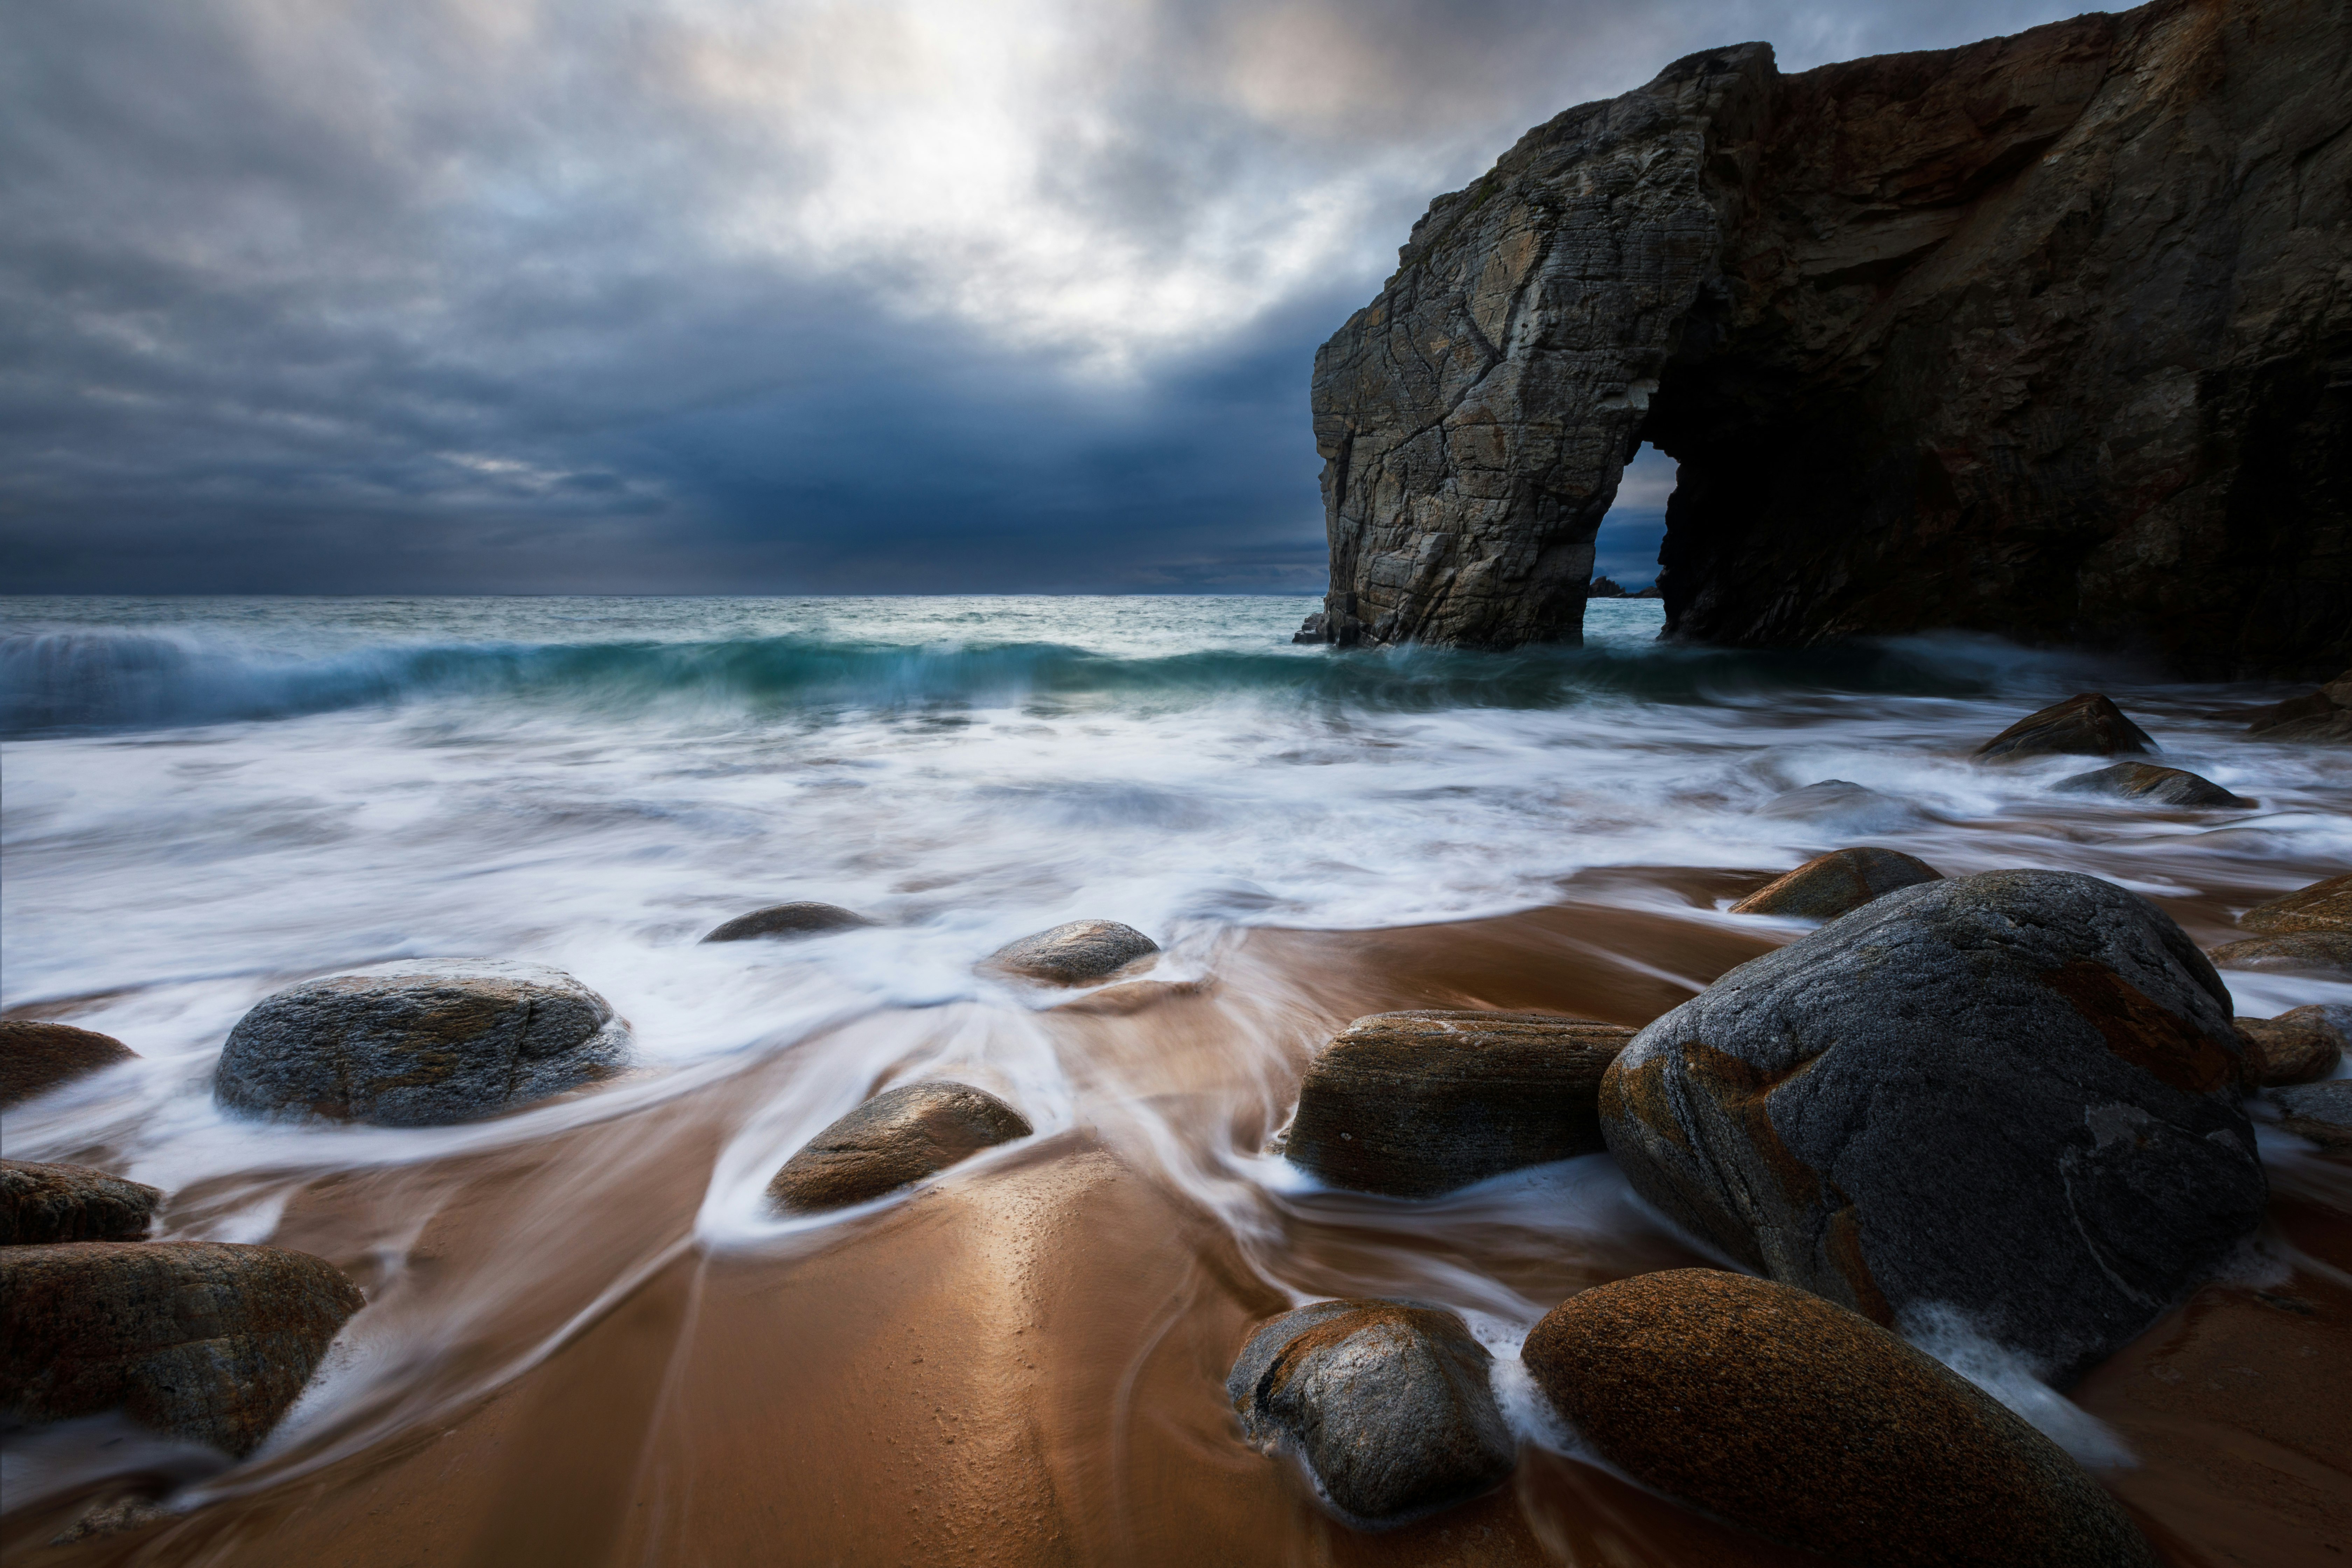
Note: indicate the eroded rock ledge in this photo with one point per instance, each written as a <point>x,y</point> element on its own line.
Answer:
<point>2050,336</point>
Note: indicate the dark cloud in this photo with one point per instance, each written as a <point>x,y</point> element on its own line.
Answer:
<point>445,294</point>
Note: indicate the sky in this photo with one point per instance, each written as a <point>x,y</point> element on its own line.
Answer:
<point>708,297</point>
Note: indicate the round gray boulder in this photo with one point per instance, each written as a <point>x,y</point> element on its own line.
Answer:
<point>40,1204</point>
<point>2012,1094</point>
<point>420,1042</point>
<point>1388,1403</point>
<point>1077,953</point>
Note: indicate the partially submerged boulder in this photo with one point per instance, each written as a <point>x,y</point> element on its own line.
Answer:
<point>1797,1419</point>
<point>898,1137</point>
<point>2323,906</point>
<point>2014,1094</point>
<point>203,1341</point>
<point>36,1056</point>
<point>802,918</point>
<point>2324,714</point>
<point>1855,806</point>
<point>2326,954</point>
<point>420,1042</point>
<point>1828,885</point>
<point>2089,725</point>
<point>1077,953</point>
<point>1413,1104</point>
<point>41,1203</point>
<point>1388,1403</point>
<point>2319,1111</point>
<point>2146,780</point>
<point>2303,1044</point>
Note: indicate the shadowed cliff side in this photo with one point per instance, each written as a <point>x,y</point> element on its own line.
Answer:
<point>2050,336</point>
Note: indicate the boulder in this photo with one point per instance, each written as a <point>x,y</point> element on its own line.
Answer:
<point>1388,1403</point>
<point>1602,588</point>
<point>2325,714</point>
<point>1797,1419</point>
<point>2301,1046</point>
<point>203,1341</point>
<point>421,1043</point>
<point>2146,780</point>
<point>1842,801</point>
<point>36,1057</point>
<point>2327,953</point>
<point>2088,725</point>
<point>899,1136</point>
<point>1077,953</point>
<point>1413,1104</point>
<point>2013,1094</point>
<point>2323,906</point>
<point>801,918</point>
<point>40,1204</point>
<point>1827,885</point>
<point>2319,1111</point>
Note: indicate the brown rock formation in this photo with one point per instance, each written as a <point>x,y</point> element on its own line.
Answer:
<point>2302,1045</point>
<point>2323,906</point>
<point>2046,336</point>
<point>1828,885</point>
<point>36,1057</point>
<point>41,1203</point>
<point>899,1136</point>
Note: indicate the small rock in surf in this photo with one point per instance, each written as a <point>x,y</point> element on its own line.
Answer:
<point>1388,1403</point>
<point>2323,906</point>
<point>420,1042</point>
<point>2088,725</point>
<point>36,1056</point>
<point>41,1203</point>
<point>205,1340</point>
<point>1841,799</point>
<point>2324,714</point>
<point>2324,954</point>
<point>2015,1093</point>
<point>2146,780</point>
<point>1414,1104</point>
<point>2301,1046</point>
<point>803,918</point>
<point>895,1139</point>
<point>1800,1421</point>
<point>1075,954</point>
<point>1828,885</point>
<point>2319,1111</point>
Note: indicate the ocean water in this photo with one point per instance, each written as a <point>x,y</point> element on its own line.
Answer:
<point>205,800</point>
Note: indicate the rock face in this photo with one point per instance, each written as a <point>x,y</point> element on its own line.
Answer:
<point>1076,953</point>
<point>802,918</point>
<point>2301,1046</point>
<point>1799,1420</point>
<point>1388,1402</point>
<point>1414,1104</point>
<point>2322,715</point>
<point>2321,953</point>
<point>41,1203</point>
<point>420,1042</point>
<point>899,1136</point>
<point>36,1057</point>
<point>2319,1111</point>
<point>1602,588</point>
<point>2323,906</point>
<point>2146,780</point>
<point>1828,885</point>
<point>200,1339</point>
<point>2014,1093</point>
<point>1972,338</point>
<point>2090,725</point>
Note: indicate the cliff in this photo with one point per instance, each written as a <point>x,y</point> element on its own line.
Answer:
<point>2050,336</point>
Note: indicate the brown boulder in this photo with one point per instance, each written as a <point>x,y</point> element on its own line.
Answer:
<point>899,1136</point>
<point>36,1057</point>
<point>2301,1046</point>
<point>2323,953</point>
<point>40,1204</point>
<point>2088,725</point>
<point>2146,780</point>
<point>1828,885</point>
<point>1077,953</point>
<point>2325,714</point>
<point>203,1341</point>
<point>1414,1104</point>
<point>2323,906</point>
<point>802,918</point>
<point>2319,1111</point>
<point>1795,1418</point>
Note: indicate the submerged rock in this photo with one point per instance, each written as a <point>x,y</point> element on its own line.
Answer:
<point>2088,725</point>
<point>1388,1403</point>
<point>898,1137</point>
<point>2319,1111</point>
<point>2325,714</point>
<point>2323,906</point>
<point>41,1203</point>
<point>2014,1094</point>
<point>1076,953</point>
<point>799,919</point>
<point>36,1057</point>
<point>1413,1104</point>
<point>1828,885</point>
<point>2146,780</point>
<point>2321,953</point>
<point>421,1043</point>
<point>203,1341</point>
<point>1797,1419</point>
<point>1858,806</point>
<point>2301,1046</point>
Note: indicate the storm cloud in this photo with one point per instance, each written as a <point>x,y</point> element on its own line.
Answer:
<point>690,296</point>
